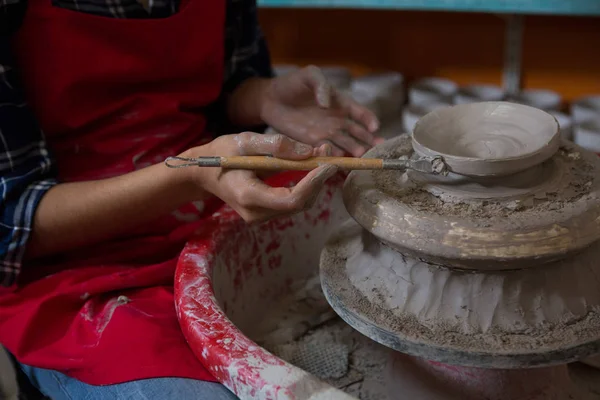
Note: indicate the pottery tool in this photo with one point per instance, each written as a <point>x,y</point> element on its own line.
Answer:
<point>428,165</point>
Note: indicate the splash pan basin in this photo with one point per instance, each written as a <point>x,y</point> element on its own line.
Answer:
<point>233,286</point>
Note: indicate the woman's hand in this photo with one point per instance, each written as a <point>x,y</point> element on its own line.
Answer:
<point>243,191</point>
<point>303,106</point>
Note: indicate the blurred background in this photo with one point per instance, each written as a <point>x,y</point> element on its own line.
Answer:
<point>542,53</point>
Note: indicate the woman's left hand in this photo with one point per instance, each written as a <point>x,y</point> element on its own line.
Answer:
<point>303,106</point>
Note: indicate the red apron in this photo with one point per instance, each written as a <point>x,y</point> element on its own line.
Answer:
<point>114,95</point>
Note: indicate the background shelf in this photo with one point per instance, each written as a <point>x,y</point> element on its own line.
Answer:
<point>543,7</point>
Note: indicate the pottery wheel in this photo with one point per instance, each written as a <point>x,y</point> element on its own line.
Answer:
<point>518,221</point>
<point>490,319</point>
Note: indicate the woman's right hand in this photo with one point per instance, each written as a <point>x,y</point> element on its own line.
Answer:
<point>244,191</point>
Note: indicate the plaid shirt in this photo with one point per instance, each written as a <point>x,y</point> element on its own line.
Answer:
<point>26,166</point>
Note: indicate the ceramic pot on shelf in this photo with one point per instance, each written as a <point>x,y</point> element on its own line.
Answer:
<point>543,99</point>
<point>478,92</point>
<point>587,134</point>
<point>387,89</point>
<point>284,69</point>
<point>339,77</point>
<point>392,128</point>
<point>566,124</point>
<point>368,99</point>
<point>429,90</point>
<point>585,108</point>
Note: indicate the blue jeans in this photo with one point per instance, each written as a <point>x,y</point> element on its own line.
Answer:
<point>58,386</point>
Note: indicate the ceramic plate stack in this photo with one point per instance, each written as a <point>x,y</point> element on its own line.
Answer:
<point>284,69</point>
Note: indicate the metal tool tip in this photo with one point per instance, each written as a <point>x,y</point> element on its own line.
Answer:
<point>439,166</point>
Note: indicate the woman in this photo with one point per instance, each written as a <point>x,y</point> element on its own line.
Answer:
<point>90,235</point>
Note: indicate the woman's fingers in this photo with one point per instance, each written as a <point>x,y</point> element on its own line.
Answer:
<point>308,189</point>
<point>258,201</point>
<point>358,132</point>
<point>346,142</point>
<point>314,78</point>
<point>276,145</point>
<point>358,113</point>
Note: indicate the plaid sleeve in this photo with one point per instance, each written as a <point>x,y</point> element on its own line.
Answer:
<point>246,56</point>
<point>25,165</point>
<point>245,45</point>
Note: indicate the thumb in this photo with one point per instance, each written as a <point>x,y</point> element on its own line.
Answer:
<point>314,78</point>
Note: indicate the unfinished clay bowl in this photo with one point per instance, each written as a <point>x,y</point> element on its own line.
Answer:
<point>487,138</point>
<point>414,112</point>
<point>518,221</point>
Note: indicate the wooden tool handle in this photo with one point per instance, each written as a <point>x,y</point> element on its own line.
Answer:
<point>277,164</point>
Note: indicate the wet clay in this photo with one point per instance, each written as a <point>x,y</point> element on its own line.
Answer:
<point>488,138</point>
<point>534,216</point>
<point>499,319</point>
<point>331,350</point>
<point>488,130</point>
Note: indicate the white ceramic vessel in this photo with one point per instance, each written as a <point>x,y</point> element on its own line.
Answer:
<point>587,134</point>
<point>585,108</point>
<point>368,99</point>
<point>478,92</point>
<point>387,90</point>
<point>430,90</point>
<point>339,77</point>
<point>284,69</point>
<point>543,99</point>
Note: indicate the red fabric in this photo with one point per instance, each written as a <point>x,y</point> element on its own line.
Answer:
<point>114,95</point>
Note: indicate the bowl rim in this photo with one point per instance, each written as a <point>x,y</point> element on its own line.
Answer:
<point>474,166</point>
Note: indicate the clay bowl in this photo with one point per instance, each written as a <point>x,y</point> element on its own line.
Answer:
<point>585,108</point>
<point>488,138</point>
<point>338,77</point>
<point>233,276</point>
<point>587,134</point>
<point>433,89</point>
